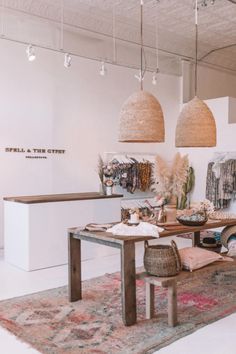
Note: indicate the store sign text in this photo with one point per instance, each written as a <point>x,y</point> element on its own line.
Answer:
<point>35,153</point>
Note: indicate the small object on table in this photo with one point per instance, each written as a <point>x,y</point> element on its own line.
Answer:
<point>97,227</point>
<point>108,186</point>
<point>134,217</point>
<point>162,215</point>
<point>192,220</point>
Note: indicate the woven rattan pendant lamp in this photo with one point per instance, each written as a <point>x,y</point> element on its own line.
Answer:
<point>196,125</point>
<point>141,116</point>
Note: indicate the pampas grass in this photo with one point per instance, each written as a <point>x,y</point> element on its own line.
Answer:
<point>100,166</point>
<point>179,174</point>
<point>170,178</point>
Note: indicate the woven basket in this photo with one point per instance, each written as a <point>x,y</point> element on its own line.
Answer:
<point>162,260</point>
<point>226,233</point>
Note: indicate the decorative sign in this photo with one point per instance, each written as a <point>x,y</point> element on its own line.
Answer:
<point>33,153</point>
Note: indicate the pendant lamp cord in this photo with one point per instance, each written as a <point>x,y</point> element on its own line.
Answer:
<point>62,26</point>
<point>141,42</point>
<point>196,45</point>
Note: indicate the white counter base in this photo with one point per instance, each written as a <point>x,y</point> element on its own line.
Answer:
<point>36,234</point>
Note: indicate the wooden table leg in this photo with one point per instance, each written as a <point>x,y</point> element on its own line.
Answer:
<point>74,281</point>
<point>150,310</point>
<point>172,304</point>
<point>196,238</point>
<point>128,284</point>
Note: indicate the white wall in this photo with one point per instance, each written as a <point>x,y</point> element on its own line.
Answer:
<point>45,105</point>
<point>212,83</point>
<point>200,157</point>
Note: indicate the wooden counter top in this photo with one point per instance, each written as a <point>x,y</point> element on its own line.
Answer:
<point>49,198</point>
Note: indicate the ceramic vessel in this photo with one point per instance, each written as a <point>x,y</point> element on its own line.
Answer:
<point>170,209</point>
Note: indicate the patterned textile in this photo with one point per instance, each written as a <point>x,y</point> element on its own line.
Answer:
<point>52,325</point>
<point>221,183</point>
<point>212,185</point>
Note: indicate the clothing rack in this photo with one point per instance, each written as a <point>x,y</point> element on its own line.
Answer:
<point>139,202</point>
<point>126,157</point>
<point>131,171</point>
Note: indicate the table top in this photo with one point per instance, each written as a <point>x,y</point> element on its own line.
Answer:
<point>210,224</point>
<point>176,229</point>
<point>48,198</point>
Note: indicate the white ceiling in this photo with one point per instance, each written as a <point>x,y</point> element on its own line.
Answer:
<point>96,21</point>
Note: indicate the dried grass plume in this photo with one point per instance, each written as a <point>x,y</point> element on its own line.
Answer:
<point>170,177</point>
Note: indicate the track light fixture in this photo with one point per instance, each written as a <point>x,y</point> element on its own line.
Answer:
<point>67,60</point>
<point>139,76</point>
<point>205,3</point>
<point>30,51</point>
<point>103,69</point>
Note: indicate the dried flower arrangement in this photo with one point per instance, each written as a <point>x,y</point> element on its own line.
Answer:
<point>100,168</point>
<point>205,209</point>
<point>171,178</point>
<point>105,173</point>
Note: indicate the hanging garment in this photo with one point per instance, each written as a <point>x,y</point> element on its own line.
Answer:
<point>221,182</point>
<point>212,185</point>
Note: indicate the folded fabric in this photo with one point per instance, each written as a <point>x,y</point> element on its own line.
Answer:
<point>97,227</point>
<point>142,229</point>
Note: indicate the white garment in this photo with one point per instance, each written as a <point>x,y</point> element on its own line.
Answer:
<point>142,229</point>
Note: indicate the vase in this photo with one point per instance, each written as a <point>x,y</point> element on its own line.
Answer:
<point>170,209</point>
<point>108,190</point>
<point>161,218</point>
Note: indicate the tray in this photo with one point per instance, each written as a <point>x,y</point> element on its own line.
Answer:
<point>191,223</point>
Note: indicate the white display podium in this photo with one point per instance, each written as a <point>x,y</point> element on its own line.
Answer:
<point>35,227</point>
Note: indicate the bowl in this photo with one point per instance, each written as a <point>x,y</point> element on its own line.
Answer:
<point>192,220</point>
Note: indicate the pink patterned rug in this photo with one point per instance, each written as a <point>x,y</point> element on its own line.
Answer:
<point>52,325</point>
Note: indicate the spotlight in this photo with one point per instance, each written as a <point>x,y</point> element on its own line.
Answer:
<point>103,69</point>
<point>30,51</point>
<point>67,60</point>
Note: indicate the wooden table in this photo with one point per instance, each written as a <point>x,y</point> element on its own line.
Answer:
<point>126,244</point>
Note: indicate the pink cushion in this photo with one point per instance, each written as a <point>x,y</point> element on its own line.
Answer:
<point>195,257</point>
